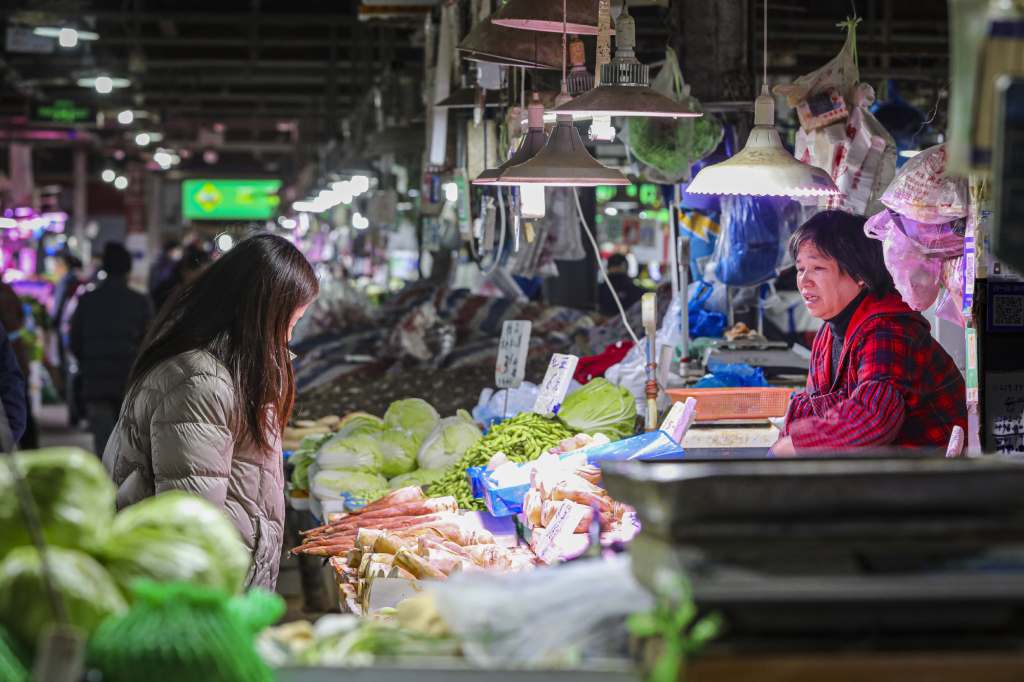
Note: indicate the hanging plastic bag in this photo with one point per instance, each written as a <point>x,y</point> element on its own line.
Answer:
<point>749,247</point>
<point>915,274</point>
<point>926,192</point>
<point>702,229</point>
<point>951,304</point>
<point>704,322</point>
<point>944,240</point>
<point>820,96</point>
<point>668,147</point>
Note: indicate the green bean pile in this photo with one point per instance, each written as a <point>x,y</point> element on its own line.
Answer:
<point>522,438</point>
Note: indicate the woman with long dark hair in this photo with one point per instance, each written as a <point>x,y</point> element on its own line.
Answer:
<point>211,392</point>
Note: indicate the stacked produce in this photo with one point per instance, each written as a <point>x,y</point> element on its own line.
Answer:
<point>293,435</point>
<point>96,555</point>
<point>522,439</point>
<point>566,503</point>
<point>369,456</point>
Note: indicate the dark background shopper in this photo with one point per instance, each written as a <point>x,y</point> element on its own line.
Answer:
<point>107,328</point>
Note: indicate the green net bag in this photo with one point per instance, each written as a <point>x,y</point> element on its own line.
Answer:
<point>176,631</point>
<point>668,147</point>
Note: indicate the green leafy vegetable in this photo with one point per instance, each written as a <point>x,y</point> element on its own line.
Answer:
<point>415,415</point>
<point>600,407</point>
<point>331,484</point>
<point>314,441</point>
<point>398,450</point>
<point>176,536</point>
<point>447,443</point>
<point>355,453</point>
<point>301,461</point>
<point>420,477</point>
<point>360,425</point>
<point>90,593</point>
<point>72,491</point>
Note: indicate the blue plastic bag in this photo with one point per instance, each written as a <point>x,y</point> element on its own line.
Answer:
<point>749,247</point>
<point>732,375</point>
<point>703,323</point>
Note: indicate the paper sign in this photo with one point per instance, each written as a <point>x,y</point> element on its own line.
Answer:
<point>559,531</point>
<point>1004,411</point>
<point>512,350</point>
<point>680,418</point>
<point>555,384</point>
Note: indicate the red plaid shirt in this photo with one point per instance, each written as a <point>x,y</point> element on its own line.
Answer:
<point>895,385</point>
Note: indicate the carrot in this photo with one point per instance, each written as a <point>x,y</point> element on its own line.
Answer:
<point>432,506</point>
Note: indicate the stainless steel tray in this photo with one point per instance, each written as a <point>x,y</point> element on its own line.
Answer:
<point>682,493</point>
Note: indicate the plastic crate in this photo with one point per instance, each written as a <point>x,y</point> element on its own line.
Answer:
<point>736,403</point>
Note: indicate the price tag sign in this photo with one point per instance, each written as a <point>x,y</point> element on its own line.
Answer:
<point>555,384</point>
<point>679,419</point>
<point>515,344</point>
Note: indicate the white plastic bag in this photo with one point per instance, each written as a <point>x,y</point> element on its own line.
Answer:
<point>916,275</point>
<point>926,192</point>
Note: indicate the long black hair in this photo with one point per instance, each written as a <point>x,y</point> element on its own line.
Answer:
<point>238,309</point>
<point>840,236</point>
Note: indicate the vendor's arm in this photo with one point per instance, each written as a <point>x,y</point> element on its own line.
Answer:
<point>873,413</point>
<point>799,408</point>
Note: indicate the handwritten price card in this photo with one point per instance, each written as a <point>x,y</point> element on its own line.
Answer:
<point>515,344</point>
<point>555,384</point>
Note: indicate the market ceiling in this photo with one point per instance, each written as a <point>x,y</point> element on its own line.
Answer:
<point>263,70</point>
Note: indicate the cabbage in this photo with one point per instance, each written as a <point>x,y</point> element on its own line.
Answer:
<point>600,407</point>
<point>331,485</point>
<point>300,474</point>
<point>360,425</point>
<point>73,494</point>
<point>314,441</point>
<point>418,477</point>
<point>414,415</point>
<point>398,449</point>
<point>90,594</point>
<point>176,536</point>
<point>448,442</point>
<point>355,453</point>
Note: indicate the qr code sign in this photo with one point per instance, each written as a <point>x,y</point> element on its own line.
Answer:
<point>1008,311</point>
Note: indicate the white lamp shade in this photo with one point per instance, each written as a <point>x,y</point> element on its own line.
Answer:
<point>764,167</point>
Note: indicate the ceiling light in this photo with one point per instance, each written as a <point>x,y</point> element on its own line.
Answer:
<point>225,242</point>
<point>163,159</point>
<point>142,139</point>
<point>500,45</point>
<point>451,191</point>
<point>624,88</point>
<point>120,182</point>
<point>579,79</point>
<point>764,167</point>
<point>563,161</point>
<point>360,184</point>
<point>64,35</point>
<point>108,175</point>
<point>68,37</point>
<point>546,16</point>
<point>531,143</point>
<point>103,84</point>
<point>126,117</point>
<point>910,153</point>
<point>359,222</point>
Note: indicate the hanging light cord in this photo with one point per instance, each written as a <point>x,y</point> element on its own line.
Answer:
<point>764,59</point>
<point>501,238</point>
<point>600,265</point>
<point>565,21</point>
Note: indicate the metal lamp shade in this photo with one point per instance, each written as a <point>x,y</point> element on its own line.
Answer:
<point>625,100</point>
<point>563,162</point>
<point>465,98</point>
<point>546,16</point>
<point>764,167</point>
<point>532,143</point>
<point>487,42</point>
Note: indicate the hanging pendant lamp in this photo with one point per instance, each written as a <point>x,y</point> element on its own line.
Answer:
<point>764,167</point>
<point>532,142</point>
<point>624,88</point>
<point>487,42</point>
<point>543,15</point>
<point>564,161</point>
<point>465,98</point>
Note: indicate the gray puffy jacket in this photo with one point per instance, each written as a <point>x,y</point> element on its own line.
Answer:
<point>175,436</point>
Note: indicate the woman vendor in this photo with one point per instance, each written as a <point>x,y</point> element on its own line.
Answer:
<point>877,377</point>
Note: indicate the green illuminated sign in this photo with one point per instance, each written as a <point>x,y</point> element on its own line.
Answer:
<point>229,199</point>
<point>63,111</point>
